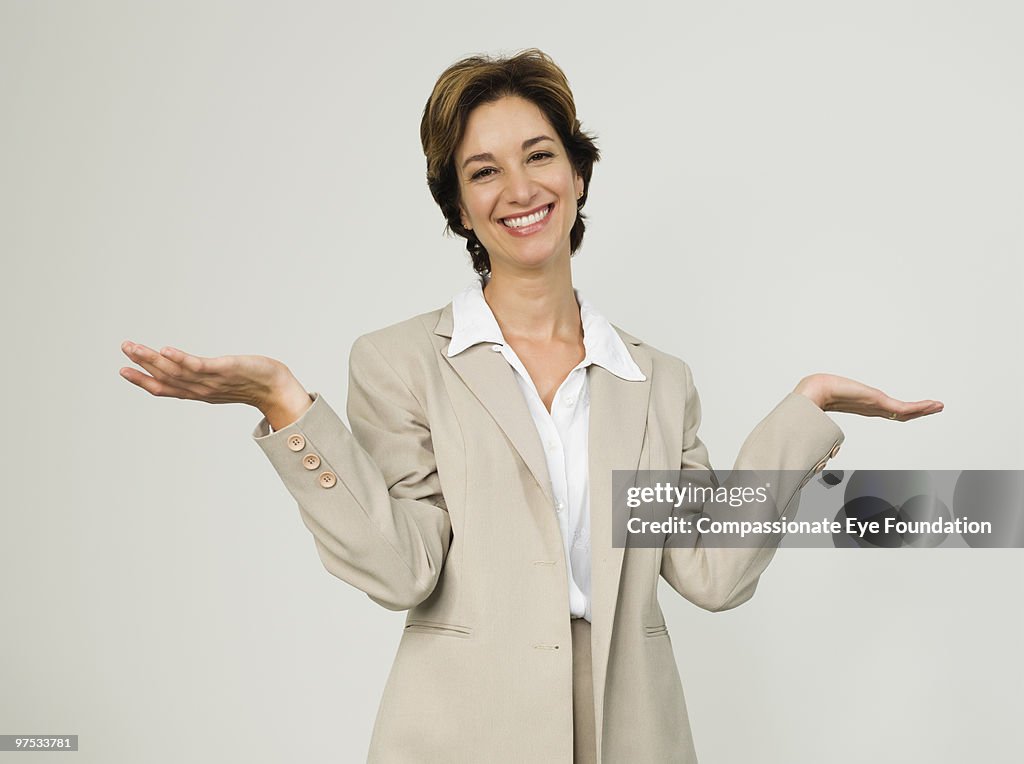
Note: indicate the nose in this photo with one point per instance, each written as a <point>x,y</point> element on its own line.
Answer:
<point>520,188</point>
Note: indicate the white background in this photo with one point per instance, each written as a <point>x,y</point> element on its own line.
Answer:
<point>786,188</point>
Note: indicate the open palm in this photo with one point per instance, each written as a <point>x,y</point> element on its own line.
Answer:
<point>835,393</point>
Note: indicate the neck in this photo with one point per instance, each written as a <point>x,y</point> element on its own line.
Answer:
<point>535,307</point>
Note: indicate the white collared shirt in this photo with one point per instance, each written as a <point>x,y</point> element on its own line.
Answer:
<point>564,431</point>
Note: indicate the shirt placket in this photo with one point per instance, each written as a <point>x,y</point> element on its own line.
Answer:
<point>563,409</point>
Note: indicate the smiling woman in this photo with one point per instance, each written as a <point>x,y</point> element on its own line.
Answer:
<point>517,201</point>
<point>505,131</point>
<point>474,486</point>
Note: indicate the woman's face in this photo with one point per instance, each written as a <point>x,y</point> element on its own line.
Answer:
<point>518,187</point>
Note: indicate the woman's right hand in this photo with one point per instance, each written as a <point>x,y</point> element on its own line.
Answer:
<point>256,380</point>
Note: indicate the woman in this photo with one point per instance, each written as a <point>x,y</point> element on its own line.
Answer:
<point>477,468</point>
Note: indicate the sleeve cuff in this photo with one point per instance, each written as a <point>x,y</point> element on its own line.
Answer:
<point>265,435</point>
<point>811,421</point>
<point>796,435</point>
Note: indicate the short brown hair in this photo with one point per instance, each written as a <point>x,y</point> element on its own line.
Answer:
<point>530,74</point>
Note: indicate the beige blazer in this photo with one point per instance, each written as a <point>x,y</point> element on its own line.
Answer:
<point>438,502</point>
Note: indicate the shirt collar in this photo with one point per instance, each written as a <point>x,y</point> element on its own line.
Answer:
<point>473,322</point>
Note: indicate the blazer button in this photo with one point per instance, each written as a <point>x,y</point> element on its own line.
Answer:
<point>296,442</point>
<point>311,461</point>
<point>327,479</point>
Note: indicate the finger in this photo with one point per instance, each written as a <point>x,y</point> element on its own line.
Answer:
<point>903,411</point>
<point>925,408</point>
<point>192,363</point>
<point>155,386</point>
<point>158,366</point>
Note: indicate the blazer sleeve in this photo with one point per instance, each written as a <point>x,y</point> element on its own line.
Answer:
<point>793,442</point>
<point>371,496</point>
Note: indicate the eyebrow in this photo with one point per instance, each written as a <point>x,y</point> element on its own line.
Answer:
<point>488,157</point>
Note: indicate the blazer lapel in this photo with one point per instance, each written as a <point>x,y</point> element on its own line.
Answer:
<point>490,378</point>
<point>618,424</point>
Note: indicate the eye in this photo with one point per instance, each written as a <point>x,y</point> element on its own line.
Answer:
<point>483,173</point>
<point>541,155</point>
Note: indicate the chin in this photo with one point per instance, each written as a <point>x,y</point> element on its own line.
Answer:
<point>530,253</point>
<point>530,260</point>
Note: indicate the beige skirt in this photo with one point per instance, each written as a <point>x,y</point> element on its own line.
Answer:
<point>584,747</point>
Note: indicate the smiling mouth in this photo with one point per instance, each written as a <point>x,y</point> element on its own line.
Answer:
<point>525,220</point>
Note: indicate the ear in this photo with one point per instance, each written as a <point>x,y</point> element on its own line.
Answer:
<point>464,218</point>
<point>580,186</point>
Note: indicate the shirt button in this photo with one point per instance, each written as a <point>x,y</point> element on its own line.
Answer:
<point>570,400</point>
<point>559,506</point>
<point>496,348</point>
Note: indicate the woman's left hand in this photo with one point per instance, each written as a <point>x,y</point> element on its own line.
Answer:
<point>832,393</point>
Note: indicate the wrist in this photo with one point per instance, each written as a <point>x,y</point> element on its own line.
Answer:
<point>286,401</point>
<point>814,387</point>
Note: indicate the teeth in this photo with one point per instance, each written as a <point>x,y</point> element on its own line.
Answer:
<point>528,219</point>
